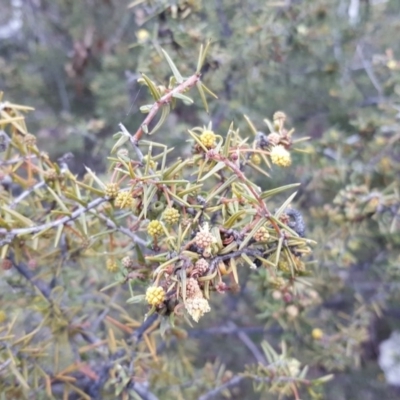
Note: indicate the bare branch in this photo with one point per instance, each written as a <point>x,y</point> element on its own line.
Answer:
<point>212,393</point>
<point>62,221</point>
<point>17,160</point>
<point>121,229</point>
<point>26,193</point>
<point>166,99</point>
<point>370,72</point>
<point>249,344</point>
<point>26,273</point>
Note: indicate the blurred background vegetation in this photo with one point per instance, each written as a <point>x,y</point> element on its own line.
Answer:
<point>333,66</point>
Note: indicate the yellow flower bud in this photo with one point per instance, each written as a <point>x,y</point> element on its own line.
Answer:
<point>171,215</point>
<point>208,139</point>
<point>124,200</point>
<point>155,228</point>
<point>147,160</point>
<point>255,159</point>
<point>317,334</point>
<point>155,295</point>
<point>280,156</point>
<point>111,190</point>
<point>279,116</point>
<point>142,35</point>
<point>112,266</point>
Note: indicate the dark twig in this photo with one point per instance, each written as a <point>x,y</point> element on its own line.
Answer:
<point>125,231</point>
<point>27,274</point>
<point>234,254</point>
<point>249,344</point>
<point>138,333</point>
<point>143,391</point>
<point>212,393</point>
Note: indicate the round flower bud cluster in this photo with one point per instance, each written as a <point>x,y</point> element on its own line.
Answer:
<point>279,119</point>
<point>142,35</point>
<point>208,138</point>
<point>274,138</point>
<point>111,190</point>
<point>155,228</point>
<point>279,116</point>
<point>280,156</point>
<point>127,262</point>
<point>299,265</point>
<point>277,295</point>
<point>112,266</point>
<point>50,175</point>
<point>261,235</point>
<point>171,215</point>
<point>201,266</point>
<point>284,266</point>
<point>277,282</point>
<point>255,159</point>
<point>293,366</point>
<point>155,295</point>
<point>292,311</point>
<point>124,200</point>
<point>197,307</point>
<point>204,238</point>
<point>317,334</point>
<point>151,163</point>
<point>29,139</point>
<point>192,287</point>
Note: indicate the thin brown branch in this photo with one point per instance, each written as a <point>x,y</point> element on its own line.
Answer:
<point>166,99</point>
<point>263,208</point>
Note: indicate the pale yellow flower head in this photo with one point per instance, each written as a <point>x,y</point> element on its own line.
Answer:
<point>280,156</point>
<point>197,307</point>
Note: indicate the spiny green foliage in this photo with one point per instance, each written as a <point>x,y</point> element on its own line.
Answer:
<point>337,81</point>
<point>205,221</point>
